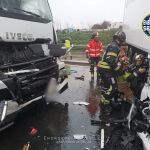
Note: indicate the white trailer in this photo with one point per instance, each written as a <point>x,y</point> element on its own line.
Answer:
<point>137,29</point>
<point>135,13</point>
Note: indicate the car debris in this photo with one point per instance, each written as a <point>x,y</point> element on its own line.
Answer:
<point>73,71</point>
<point>79,136</point>
<point>80,78</point>
<point>33,131</point>
<point>81,103</point>
<point>108,124</point>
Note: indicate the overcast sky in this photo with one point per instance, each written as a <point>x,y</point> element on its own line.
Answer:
<point>83,13</point>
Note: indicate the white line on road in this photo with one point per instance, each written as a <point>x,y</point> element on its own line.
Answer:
<point>102,138</point>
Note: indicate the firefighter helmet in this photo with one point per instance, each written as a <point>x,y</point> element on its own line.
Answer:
<point>139,57</point>
<point>120,36</point>
<point>124,60</point>
<point>94,34</point>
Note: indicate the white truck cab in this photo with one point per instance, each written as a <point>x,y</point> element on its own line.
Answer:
<point>26,21</point>
<point>28,57</point>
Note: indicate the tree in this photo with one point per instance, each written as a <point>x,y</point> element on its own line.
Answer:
<point>105,24</point>
<point>96,26</point>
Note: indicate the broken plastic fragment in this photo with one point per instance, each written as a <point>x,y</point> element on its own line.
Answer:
<point>87,148</point>
<point>79,136</point>
<point>33,131</point>
<point>95,122</point>
<point>108,124</point>
<point>81,103</point>
<point>73,71</point>
<point>80,78</point>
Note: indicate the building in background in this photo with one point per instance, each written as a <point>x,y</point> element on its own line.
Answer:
<point>116,25</point>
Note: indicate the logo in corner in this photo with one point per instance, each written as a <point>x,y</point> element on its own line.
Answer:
<point>146,25</point>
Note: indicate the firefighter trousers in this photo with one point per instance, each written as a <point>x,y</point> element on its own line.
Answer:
<point>109,87</point>
<point>93,61</point>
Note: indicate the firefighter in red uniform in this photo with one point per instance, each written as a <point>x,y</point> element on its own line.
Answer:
<point>94,50</point>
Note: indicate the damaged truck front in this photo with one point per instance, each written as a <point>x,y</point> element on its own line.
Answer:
<point>28,57</point>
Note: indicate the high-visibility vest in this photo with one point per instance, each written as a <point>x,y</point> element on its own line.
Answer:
<point>124,77</point>
<point>103,64</point>
<point>67,44</point>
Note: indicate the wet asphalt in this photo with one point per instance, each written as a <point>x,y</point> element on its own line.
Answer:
<point>57,123</point>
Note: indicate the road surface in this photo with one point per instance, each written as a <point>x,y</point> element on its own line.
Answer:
<point>58,125</point>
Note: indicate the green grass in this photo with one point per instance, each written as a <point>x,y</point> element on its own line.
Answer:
<point>81,38</point>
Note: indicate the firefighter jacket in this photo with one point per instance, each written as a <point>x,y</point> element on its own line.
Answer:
<point>67,44</point>
<point>135,70</point>
<point>110,57</point>
<point>94,48</point>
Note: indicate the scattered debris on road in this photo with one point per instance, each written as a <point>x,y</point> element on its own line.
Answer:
<point>79,136</point>
<point>108,124</point>
<point>81,103</point>
<point>95,122</point>
<point>33,131</point>
<point>73,71</point>
<point>80,78</point>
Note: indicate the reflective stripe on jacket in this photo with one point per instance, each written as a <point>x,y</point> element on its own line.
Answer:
<point>103,64</point>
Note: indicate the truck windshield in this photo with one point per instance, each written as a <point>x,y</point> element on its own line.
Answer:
<point>36,8</point>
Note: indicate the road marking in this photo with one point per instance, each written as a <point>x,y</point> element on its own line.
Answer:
<point>102,138</point>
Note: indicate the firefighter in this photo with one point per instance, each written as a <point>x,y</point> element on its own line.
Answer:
<point>94,50</point>
<point>68,46</point>
<point>108,68</point>
<point>123,73</point>
<point>139,73</point>
<point>122,80</point>
<point>123,52</point>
